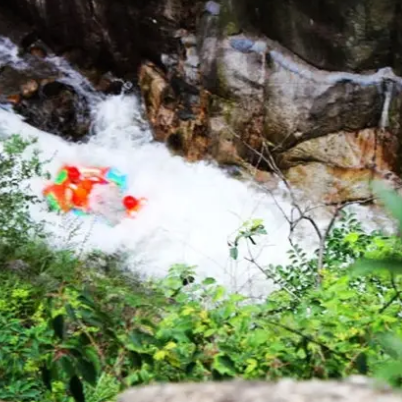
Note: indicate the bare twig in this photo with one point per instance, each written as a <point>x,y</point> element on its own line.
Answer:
<point>393,298</point>
<point>308,338</point>
<point>396,296</point>
<point>267,157</point>
<point>272,277</point>
<point>323,238</point>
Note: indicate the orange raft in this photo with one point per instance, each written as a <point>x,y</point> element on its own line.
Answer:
<point>72,188</point>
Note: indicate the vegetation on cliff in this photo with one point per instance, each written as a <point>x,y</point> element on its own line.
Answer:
<point>83,328</point>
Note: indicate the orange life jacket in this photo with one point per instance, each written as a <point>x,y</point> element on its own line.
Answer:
<point>61,194</point>
<point>81,192</point>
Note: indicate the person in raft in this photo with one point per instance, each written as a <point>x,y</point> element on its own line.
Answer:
<point>73,188</point>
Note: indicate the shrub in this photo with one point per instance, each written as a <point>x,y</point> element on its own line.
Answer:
<point>16,226</point>
<point>84,330</point>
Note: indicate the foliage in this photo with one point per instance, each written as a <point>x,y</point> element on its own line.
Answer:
<point>16,226</point>
<point>389,261</point>
<point>84,329</point>
<point>96,327</point>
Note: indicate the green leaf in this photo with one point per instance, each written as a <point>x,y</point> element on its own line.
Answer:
<point>209,332</point>
<point>70,311</point>
<point>76,389</point>
<point>208,281</point>
<point>190,368</point>
<point>135,360</point>
<point>58,326</point>
<point>91,355</point>
<point>391,200</point>
<point>132,379</point>
<point>258,337</point>
<point>351,238</point>
<point>88,371</point>
<point>392,345</point>
<point>220,292</point>
<point>223,364</point>
<point>139,340</point>
<point>236,297</point>
<point>67,365</point>
<point>361,363</point>
<point>391,371</point>
<point>47,377</point>
<point>366,266</point>
<point>234,253</point>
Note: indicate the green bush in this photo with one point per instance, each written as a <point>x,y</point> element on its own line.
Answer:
<point>16,226</point>
<point>84,329</point>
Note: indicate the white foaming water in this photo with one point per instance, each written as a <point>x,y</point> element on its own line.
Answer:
<point>9,54</point>
<point>193,211</point>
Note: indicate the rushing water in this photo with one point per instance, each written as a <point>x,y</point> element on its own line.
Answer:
<point>193,211</point>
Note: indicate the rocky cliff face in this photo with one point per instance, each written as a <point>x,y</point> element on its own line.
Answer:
<point>329,131</point>
<point>331,34</point>
<point>115,35</point>
<point>306,87</point>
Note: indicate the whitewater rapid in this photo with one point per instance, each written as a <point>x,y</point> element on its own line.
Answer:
<point>194,208</point>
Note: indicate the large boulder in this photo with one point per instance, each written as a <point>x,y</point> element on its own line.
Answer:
<point>34,88</point>
<point>366,148</point>
<point>176,112</point>
<point>332,132</point>
<point>57,108</point>
<point>330,34</point>
<point>352,390</point>
<point>328,131</point>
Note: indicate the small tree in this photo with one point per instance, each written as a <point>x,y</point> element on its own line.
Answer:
<point>16,225</point>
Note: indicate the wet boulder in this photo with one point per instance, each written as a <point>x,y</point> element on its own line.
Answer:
<point>33,89</point>
<point>265,107</point>
<point>58,109</point>
<point>176,111</point>
<point>24,77</point>
<point>338,129</point>
<point>333,35</point>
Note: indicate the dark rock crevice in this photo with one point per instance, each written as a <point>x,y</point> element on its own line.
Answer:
<point>113,35</point>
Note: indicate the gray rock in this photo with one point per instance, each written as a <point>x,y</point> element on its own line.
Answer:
<point>33,85</point>
<point>212,7</point>
<point>354,390</point>
<point>242,44</point>
<point>303,102</point>
<point>330,34</point>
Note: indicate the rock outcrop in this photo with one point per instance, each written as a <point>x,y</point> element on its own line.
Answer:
<point>353,390</point>
<point>176,111</point>
<point>113,35</point>
<point>331,34</point>
<point>32,85</point>
<point>330,132</point>
<point>310,88</point>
